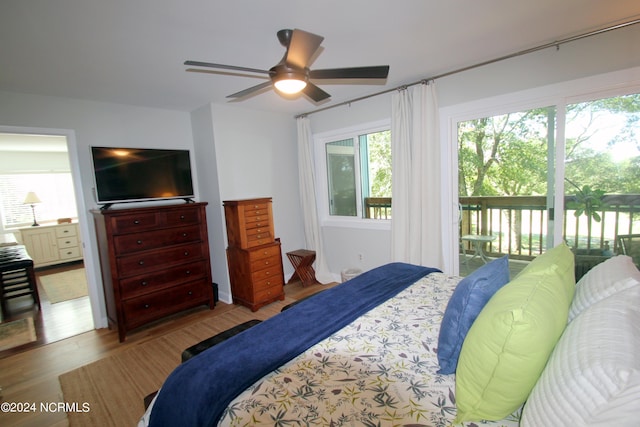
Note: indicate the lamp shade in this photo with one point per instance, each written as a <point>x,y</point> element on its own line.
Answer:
<point>31,199</point>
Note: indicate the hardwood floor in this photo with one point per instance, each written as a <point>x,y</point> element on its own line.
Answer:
<point>53,322</point>
<point>31,376</point>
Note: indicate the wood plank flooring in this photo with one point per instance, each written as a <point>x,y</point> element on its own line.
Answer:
<point>53,322</point>
<point>31,376</point>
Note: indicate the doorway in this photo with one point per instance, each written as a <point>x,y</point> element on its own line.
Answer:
<point>38,163</point>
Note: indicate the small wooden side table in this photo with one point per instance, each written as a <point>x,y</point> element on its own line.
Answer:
<point>302,260</point>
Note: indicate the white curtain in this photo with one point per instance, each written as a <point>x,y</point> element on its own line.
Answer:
<point>307,180</point>
<point>416,228</point>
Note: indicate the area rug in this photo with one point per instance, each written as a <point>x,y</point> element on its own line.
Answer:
<point>18,332</point>
<point>64,286</point>
<point>114,387</point>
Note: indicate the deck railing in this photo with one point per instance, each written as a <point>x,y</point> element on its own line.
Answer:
<point>520,224</point>
<point>377,207</point>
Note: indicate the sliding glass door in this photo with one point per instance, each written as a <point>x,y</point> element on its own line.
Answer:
<point>508,172</point>
<point>505,185</point>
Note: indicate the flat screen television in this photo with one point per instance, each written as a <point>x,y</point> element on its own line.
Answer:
<point>141,174</point>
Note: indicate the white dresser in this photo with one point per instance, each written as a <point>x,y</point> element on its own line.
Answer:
<point>52,244</point>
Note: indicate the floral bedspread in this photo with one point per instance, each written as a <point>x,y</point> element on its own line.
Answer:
<point>378,371</point>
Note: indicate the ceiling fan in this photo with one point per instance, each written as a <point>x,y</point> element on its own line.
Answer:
<point>292,74</point>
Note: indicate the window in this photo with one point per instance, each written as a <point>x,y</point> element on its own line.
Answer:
<point>358,173</point>
<point>55,190</point>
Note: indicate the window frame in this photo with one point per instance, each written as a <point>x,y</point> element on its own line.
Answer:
<point>322,187</point>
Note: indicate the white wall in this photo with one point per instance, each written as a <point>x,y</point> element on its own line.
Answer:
<point>256,154</point>
<point>616,50</point>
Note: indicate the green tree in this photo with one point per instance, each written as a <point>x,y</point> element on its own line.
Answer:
<point>379,149</point>
<point>503,155</point>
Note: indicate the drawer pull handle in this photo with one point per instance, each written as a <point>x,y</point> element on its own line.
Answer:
<point>266,263</point>
<point>68,241</point>
<point>136,222</point>
<point>144,283</point>
<point>268,273</point>
<point>181,216</point>
<point>139,242</point>
<point>141,262</point>
<point>190,292</point>
<point>146,306</point>
<point>184,234</point>
<point>65,231</point>
<point>188,272</point>
<point>186,253</point>
<point>268,283</point>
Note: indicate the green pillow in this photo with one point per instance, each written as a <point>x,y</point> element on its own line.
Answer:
<point>508,345</point>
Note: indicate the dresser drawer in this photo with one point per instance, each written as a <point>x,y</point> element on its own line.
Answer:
<point>69,253</point>
<point>259,239</point>
<point>67,242</point>
<point>130,243</point>
<point>270,272</point>
<point>265,252</point>
<point>182,216</point>
<point>150,282</point>
<point>66,230</point>
<point>143,309</point>
<point>256,209</point>
<point>267,293</point>
<point>261,264</point>
<point>262,220</point>
<point>138,263</point>
<point>135,222</point>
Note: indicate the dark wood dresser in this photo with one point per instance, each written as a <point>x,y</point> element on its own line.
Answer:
<point>253,255</point>
<point>155,262</point>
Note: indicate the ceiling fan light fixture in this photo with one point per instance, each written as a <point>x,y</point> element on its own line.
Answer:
<point>290,86</point>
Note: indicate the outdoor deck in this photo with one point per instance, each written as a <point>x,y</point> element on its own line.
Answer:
<point>515,266</point>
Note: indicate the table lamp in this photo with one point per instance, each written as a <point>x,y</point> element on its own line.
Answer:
<point>32,199</point>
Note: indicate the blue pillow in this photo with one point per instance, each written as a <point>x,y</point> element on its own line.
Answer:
<point>468,299</point>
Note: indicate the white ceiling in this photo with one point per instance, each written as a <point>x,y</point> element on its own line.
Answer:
<point>132,51</point>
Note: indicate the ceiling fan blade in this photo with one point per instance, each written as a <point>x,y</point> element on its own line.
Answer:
<point>250,90</point>
<point>224,67</point>
<point>301,48</point>
<point>374,72</point>
<point>315,93</point>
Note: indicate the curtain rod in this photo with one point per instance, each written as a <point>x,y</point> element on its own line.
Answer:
<point>556,44</point>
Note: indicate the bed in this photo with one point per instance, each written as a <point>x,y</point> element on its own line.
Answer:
<point>374,359</point>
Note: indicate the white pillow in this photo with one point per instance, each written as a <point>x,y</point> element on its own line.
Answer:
<point>593,375</point>
<point>603,280</point>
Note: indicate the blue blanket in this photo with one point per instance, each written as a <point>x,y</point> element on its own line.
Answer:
<point>199,390</point>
